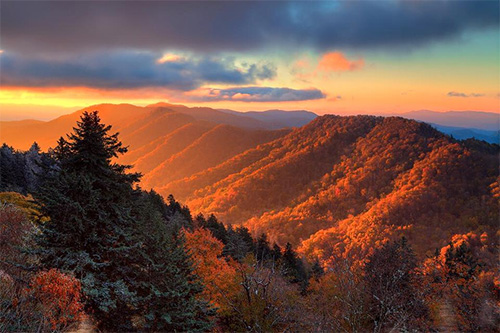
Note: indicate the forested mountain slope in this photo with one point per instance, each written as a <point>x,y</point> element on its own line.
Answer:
<point>337,186</point>
<point>341,185</point>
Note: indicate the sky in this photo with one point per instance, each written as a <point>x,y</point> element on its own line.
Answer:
<point>342,57</point>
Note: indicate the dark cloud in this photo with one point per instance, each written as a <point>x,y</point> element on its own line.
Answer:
<point>128,70</point>
<point>82,26</point>
<point>459,94</point>
<point>256,94</point>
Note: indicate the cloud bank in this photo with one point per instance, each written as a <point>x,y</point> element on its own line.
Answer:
<point>47,27</point>
<point>254,94</point>
<point>124,70</point>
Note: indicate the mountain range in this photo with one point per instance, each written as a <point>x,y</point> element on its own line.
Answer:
<point>335,186</point>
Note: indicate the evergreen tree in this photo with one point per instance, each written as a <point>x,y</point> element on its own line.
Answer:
<point>170,301</point>
<point>19,170</point>
<point>236,247</point>
<point>167,290</point>
<point>90,231</point>
<point>124,245</point>
<point>246,237</point>
<point>262,249</point>
<point>11,170</point>
<point>217,228</point>
<point>276,253</point>
<point>175,208</point>
<point>317,270</point>
<point>293,268</point>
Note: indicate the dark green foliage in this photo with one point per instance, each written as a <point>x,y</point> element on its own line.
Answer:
<point>168,290</point>
<point>217,228</point>
<point>12,165</point>
<point>276,252</point>
<point>19,170</point>
<point>90,231</point>
<point>262,249</point>
<point>293,268</point>
<point>246,237</point>
<point>317,271</point>
<point>125,246</point>
<point>182,213</point>
<point>391,283</point>
<point>239,243</point>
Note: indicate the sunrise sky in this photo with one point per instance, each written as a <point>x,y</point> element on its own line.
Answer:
<point>329,57</point>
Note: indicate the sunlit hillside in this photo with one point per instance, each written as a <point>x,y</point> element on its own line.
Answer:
<point>339,185</point>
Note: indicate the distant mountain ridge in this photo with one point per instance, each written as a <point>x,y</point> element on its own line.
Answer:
<point>131,120</point>
<point>460,124</point>
<point>278,118</point>
<point>462,133</point>
<point>466,119</point>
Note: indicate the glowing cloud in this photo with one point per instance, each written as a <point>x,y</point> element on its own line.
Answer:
<point>169,57</point>
<point>252,94</point>
<point>337,62</point>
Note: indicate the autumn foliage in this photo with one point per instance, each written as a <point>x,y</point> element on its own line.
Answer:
<point>59,296</point>
<point>217,272</point>
<point>464,278</point>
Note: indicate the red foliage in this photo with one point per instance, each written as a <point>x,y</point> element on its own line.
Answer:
<point>59,295</point>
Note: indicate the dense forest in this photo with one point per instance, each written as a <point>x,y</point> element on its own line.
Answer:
<point>337,177</point>
<point>404,235</point>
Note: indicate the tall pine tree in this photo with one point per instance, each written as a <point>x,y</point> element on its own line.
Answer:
<point>123,244</point>
<point>90,231</point>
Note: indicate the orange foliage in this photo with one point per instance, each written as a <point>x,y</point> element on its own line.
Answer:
<point>217,272</point>
<point>472,286</point>
<point>59,295</point>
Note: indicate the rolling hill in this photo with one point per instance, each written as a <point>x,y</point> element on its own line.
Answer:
<point>366,178</point>
<point>336,186</point>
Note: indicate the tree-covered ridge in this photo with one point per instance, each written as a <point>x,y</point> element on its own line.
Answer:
<point>392,176</point>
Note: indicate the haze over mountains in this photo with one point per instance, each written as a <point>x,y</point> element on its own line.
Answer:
<point>336,186</point>
<point>461,124</point>
<point>468,119</point>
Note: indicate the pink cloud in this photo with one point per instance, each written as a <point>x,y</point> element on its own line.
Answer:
<point>337,62</point>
